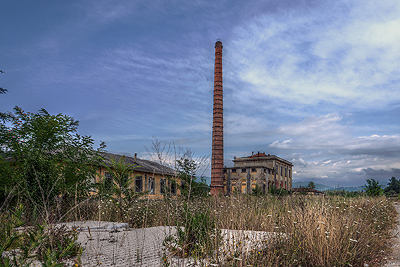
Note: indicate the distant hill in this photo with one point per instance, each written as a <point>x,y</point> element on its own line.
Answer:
<point>319,187</point>
<point>322,187</point>
<point>350,188</point>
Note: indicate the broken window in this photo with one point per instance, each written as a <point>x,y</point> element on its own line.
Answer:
<point>151,186</point>
<point>138,184</point>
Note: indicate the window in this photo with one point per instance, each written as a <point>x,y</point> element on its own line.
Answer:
<point>138,184</point>
<point>224,171</point>
<point>243,170</point>
<point>281,171</point>
<point>108,181</point>
<point>151,186</point>
<point>173,188</point>
<point>162,186</point>
<point>183,185</point>
<point>253,170</point>
<point>233,170</point>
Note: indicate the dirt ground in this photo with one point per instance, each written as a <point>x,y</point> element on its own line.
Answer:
<point>394,258</point>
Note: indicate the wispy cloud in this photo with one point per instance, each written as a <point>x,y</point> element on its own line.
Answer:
<point>329,151</point>
<point>347,55</point>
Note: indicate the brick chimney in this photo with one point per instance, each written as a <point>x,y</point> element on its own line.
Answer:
<point>217,158</point>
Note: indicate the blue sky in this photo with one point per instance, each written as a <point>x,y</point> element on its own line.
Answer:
<point>314,82</point>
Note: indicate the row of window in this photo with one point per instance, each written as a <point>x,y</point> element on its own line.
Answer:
<point>151,185</point>
<point>287,171</point>
<point>243,170</point>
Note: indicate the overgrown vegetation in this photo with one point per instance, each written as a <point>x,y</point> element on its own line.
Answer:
<point>301,229</point>
<point>46,172</point>
<point>46,168</point>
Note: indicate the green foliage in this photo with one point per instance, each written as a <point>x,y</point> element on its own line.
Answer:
<point>393,187</point>
<point>311,185</point>
<point>120,189</point>
<point>43,158</point>
<point>373,188</point>
<point>344,193</point>
<point>199,236</point>
<point>48,245</point>
<point>278,192</point>
<point>257,191</point>
<point>121,184</point>
<point>190,187</point>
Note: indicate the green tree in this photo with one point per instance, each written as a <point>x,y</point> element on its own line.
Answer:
<point>190,186</point>
<point>311,185</point>
<point>373,188</point>
<point>393,187</point>
<point>44,157</point>
<point>120,187</point>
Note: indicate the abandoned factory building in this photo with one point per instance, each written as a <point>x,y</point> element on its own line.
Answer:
<point>147,176</point>
<point>259,170</point>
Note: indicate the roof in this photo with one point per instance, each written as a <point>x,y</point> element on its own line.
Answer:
<point>141,165</point>
<point>262,156</point>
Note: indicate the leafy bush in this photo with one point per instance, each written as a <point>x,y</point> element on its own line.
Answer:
<point>278,192</point>
<point>44,160</point>
<point>51,246</point>
<point>198,238</point>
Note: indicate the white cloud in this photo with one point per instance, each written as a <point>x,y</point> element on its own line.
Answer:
<point>346,56</point>
<point>323,147</point>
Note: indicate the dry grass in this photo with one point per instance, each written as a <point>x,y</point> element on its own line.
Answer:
<point>293,230</point>
<point>309,230</point>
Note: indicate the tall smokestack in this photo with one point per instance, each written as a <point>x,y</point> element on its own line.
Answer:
<point>217,158</point>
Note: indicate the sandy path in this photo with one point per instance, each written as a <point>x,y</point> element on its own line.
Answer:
<point>394,258</point>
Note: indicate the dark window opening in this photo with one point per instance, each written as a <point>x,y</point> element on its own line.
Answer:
<point>108,180</point>
<point>138,184</point>
<point>243,170</point>
<point>183,185</point>
<point>253,170</point>
<point>162,186</point>
<point>233,170</point>
<point>173,188</point>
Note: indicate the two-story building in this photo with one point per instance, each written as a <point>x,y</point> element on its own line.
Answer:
<point>260,170</point>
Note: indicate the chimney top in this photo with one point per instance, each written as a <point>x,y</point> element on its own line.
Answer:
<point>218,43</point>
<point>135,156</point>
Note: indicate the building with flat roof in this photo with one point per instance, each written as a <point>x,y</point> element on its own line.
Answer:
<point>258,170</point>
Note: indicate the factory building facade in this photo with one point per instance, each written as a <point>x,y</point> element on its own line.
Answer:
<point>258,170</point>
